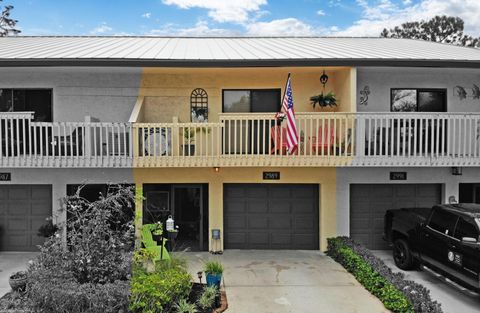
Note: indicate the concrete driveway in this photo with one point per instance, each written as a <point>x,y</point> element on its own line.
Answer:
<point>287,282</point>
<point>453,300</point>
<point>12,262</point>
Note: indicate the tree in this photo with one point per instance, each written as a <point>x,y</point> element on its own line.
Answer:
<point>444,29</point>
<point>7,24</point>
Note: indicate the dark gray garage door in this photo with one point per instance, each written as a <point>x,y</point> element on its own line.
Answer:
<point>271,216</point>
<point>368,203</point>
<point>23,209</point>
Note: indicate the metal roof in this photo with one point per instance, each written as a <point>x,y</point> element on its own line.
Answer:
<point>231,51</point>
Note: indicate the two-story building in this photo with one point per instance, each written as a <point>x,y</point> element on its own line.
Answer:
<point>192,123</point>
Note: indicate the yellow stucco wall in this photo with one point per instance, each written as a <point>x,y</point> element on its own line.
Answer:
<point>167,90</point>
<point>325,177</point>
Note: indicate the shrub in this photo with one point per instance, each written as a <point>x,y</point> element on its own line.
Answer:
<point>207,299</point>
<point>183,306</point>
<point>157,291</point>
<point>92,273</point>
<point>348,253</point>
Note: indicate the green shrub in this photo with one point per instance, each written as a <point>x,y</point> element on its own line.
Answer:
<point>392,298</point>
<point>213,267</point>
<point>183,306</point>
<point>157,291</point>
<point>207,299</point>
<point>418,295</point>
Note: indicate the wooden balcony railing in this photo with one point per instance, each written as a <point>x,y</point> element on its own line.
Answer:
<point>25,143</point>
<point>246,139</point>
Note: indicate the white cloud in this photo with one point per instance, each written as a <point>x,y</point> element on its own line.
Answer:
<point>379,14</point>
<point>222,10</point>
<point>200,29</point>
<point>147,15</point>
<point>280,27</point>
<point>321,12</point>
<point>101,29</point>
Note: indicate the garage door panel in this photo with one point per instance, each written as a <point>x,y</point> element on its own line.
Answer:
<point>274,212</point>
<point>41,192</point>
<point>257,206</point>
<point>236,221</point>
<point>237,206</point>
<point>280,221</point>
<point>17,224</point>
<point>278,206</point>
<point>18,207</point>
<point>369,202</point>
<point>260,222</point>
<point>234,192</point>
<point>258,238</point>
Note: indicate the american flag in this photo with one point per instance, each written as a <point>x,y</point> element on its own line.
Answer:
<point>287,106</point>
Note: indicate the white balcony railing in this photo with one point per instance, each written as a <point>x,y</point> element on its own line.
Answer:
<point>25,143</point>
<point>246,139</point>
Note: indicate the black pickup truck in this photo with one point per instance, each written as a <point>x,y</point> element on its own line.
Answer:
<point>445,238</point>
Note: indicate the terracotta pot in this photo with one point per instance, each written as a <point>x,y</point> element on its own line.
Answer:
<point>18,284</point>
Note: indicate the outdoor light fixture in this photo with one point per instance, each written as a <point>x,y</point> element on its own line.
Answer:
<point>324,78</point>
<point>217,169</point>
<point>452,200</point>
<point>456,170</point>
<point>199,274</point>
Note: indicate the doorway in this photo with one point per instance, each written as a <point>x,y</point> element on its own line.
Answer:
<point>188,206</point>
<point>469,193</point>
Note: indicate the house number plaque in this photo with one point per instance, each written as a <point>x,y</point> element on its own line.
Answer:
<point>271,175</point>
<point>398,175</point>
<point>5,176</point>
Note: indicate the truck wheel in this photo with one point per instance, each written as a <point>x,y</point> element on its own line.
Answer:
<point>402,255</point>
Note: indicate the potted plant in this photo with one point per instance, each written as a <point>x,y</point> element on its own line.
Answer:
<point>18,281</point>
<point>324,100</point>
<point>157,232</point>
<point>213,271</point>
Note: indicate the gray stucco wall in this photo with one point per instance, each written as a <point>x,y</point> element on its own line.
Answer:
<point>381,79</point>
<point>108,94</point>
<point>347,176</point>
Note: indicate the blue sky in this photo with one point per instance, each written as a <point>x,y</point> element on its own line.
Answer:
<point>231,17</point>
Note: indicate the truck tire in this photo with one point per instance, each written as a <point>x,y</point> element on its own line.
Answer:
<point>402,255</point>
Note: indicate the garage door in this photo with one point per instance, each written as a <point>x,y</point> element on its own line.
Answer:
<point>368,204</point>
<point>271,216</point>
<point>23,209</point>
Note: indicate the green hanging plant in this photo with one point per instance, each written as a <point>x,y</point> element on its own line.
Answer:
<point>324,100</point>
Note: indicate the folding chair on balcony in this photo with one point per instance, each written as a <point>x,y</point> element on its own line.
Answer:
<point>151,245</point>
<point>324,141</point>
<point>279,139</point>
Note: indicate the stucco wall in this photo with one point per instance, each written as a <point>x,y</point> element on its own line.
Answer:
<point>167,91</point>
<point>347,176</point>
<point>381,80</point>
<point>108,94</point>
<point>325,177</point>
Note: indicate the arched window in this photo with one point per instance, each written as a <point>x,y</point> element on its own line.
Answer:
<point>199,105</point>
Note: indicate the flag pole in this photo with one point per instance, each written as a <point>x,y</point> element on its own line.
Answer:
<point>284,91</point>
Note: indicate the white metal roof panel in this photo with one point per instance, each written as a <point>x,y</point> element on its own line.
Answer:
<point>222,49</point>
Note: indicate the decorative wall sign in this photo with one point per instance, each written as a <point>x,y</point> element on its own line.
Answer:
<point>271,175</point>
<point>463,93</point>
<point>364,95</point>
<point>398,175</point>
<point>5,176</point>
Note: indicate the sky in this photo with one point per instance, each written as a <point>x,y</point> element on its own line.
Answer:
<point>232,17</point>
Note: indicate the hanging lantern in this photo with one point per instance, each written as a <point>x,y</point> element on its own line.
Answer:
<point>324,78</point>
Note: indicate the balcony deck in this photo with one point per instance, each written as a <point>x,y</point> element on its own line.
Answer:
<point>246,140</point>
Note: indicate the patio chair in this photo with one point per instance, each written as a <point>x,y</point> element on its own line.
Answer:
<point>279,138</point>
<point>324,141</point>
<point>151,245</point>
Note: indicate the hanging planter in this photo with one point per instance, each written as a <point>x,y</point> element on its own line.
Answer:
<point>324,100</point>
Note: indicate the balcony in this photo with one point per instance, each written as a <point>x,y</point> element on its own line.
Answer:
<point>25,143</point>
<point>245,139</point>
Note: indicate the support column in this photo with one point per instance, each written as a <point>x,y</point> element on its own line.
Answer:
<point>215,213</point>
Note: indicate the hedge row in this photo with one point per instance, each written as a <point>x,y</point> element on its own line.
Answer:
<point>396,293</point>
